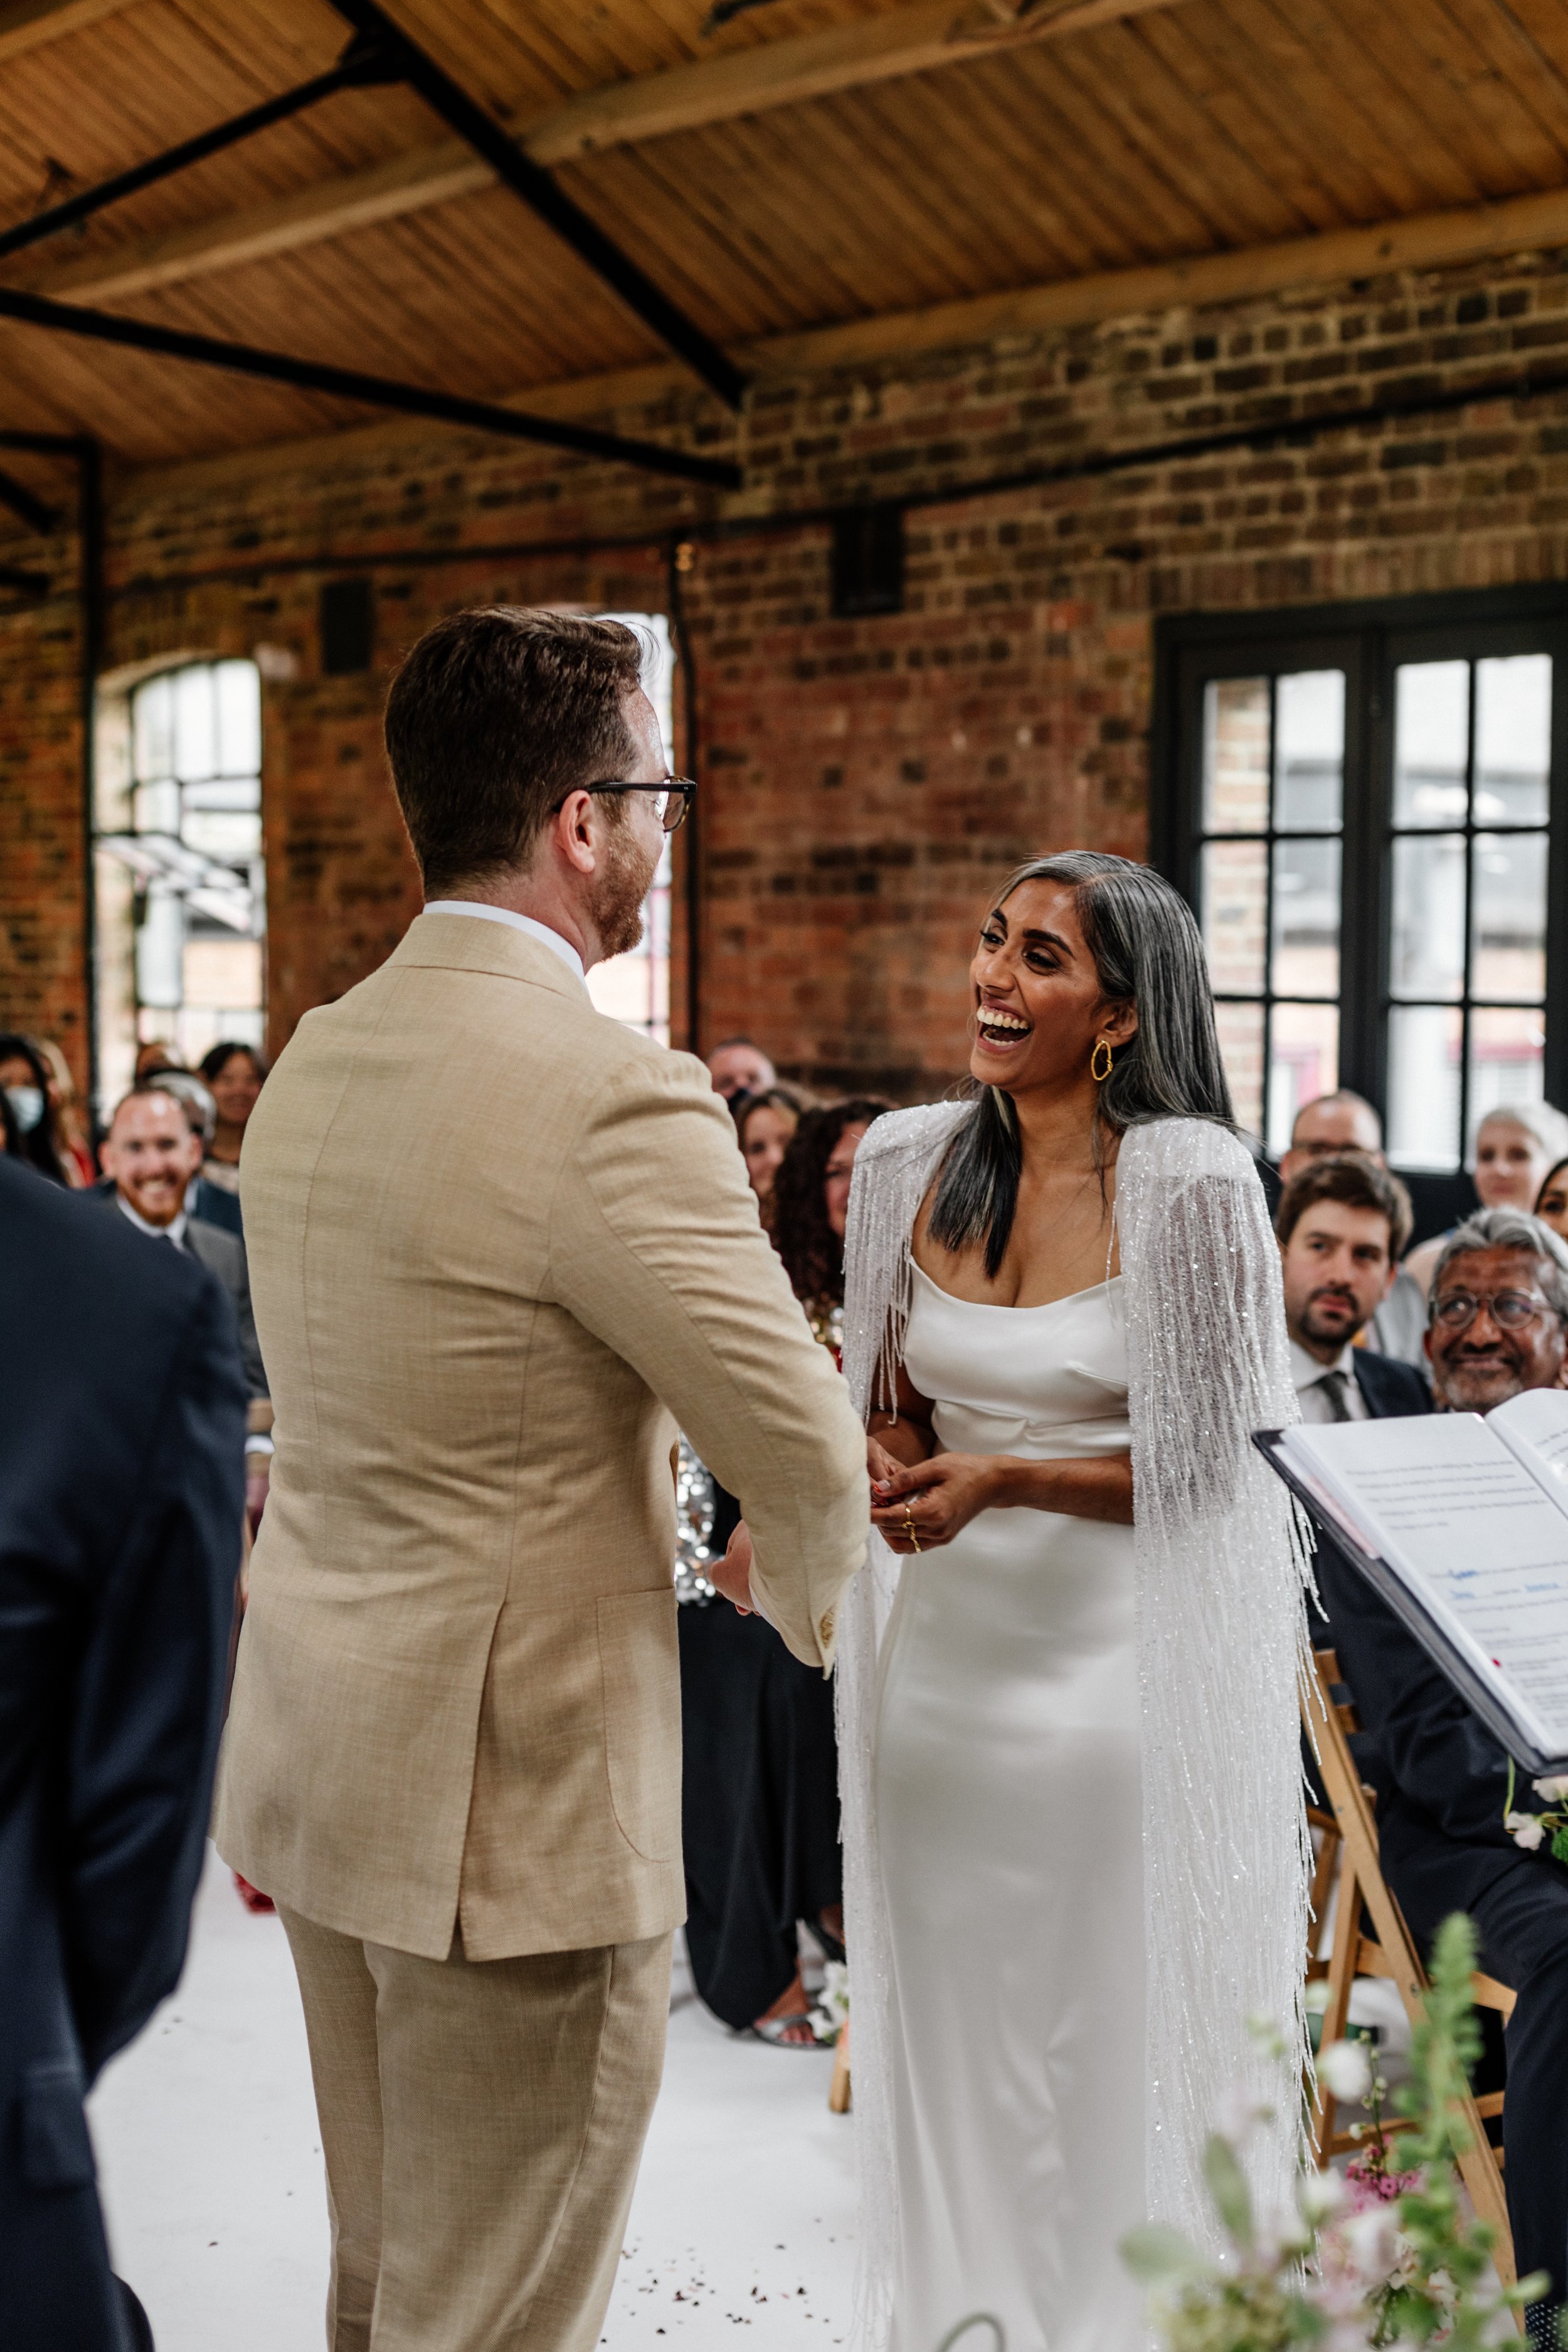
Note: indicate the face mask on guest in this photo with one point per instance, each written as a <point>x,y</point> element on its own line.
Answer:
<point>26,1106</point>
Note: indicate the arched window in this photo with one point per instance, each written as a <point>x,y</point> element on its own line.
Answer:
<point>181,880</point>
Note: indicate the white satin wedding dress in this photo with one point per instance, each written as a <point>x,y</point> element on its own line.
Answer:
<point>1009,1802</point>
<point>1075,1857</point>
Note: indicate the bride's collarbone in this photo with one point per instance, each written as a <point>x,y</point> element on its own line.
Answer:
<point>1063,1242</point>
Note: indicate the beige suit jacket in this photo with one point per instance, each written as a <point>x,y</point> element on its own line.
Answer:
<point>496,1241</point>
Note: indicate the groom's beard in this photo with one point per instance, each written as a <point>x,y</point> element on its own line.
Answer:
<point>616,907</point>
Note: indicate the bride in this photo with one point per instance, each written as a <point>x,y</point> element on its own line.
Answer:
<point>1073,1821</point>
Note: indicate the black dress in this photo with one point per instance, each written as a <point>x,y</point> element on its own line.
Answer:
<point>760,1802</point>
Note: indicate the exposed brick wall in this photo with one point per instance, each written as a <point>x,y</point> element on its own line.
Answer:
<point>863,780</point>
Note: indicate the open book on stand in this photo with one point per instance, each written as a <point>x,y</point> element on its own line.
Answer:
<point>1461,1523</point>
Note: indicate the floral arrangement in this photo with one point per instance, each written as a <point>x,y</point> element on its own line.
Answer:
<point>1379,2257</point>
<point>1533,1830</point>
<point>832,2011</point>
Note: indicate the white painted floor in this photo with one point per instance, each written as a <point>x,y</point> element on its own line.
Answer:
<point>211,2171</point>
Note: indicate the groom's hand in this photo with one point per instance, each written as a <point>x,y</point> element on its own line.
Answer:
<point>731,1576</point>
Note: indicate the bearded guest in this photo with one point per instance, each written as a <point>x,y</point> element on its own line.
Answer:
<point>1342,1225</point>
<point>1499,1325</point>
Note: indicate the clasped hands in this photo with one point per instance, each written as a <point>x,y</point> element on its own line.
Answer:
<point>918,1507</point>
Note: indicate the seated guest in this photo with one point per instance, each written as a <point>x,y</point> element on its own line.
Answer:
<point>760,1800</point>
<point>151,1156</point>
<point>121,1417</point>
<point>1499,1325</point>
<point>157,1053</point>
<point>737,1066</point>
<point>65,1115</point>
<point>763,1126</point>
<point>1514,1147</point>
<point>1551,1200</point>
<point>235,1075</point>
<point>1341,1122</point>
<point>1340,1224</point>
<point>213,1204</point>
<point>25,1079</point>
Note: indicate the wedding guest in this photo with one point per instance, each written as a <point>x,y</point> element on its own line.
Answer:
<point>763,1126</point>
<point>1342,1224</point>
<point>1515,1146</point>
<point>759,1795</point>
<point>737,1066</point>
<point>24,1078</point>
<point>236,1074</point>
<point>213,1204</point>
<point>1499,1325</point>
<point>1341,1122</point>
<point>1552,1202</point>
<point>121,1417</point>
<point>64,1116</point>
<point>157,1055</point>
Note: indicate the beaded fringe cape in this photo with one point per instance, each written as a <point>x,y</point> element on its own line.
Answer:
<point>1221,1571</point>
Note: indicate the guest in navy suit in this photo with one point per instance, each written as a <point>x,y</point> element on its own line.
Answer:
<point>122,1407</point>
<point>1499,1325</point>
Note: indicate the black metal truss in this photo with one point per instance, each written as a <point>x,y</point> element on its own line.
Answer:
<point>375,391</point>
<point>360,64</point>
<point>537,189</point>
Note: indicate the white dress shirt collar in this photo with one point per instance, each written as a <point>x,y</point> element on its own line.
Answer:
<point>174,1232</point>
<point>1307,1375</point>
<point>539,931</point>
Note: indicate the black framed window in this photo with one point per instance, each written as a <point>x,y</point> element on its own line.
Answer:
<point>1364,805</point>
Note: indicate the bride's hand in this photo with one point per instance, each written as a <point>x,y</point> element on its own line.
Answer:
<point>880,1464</point>
<point>934,1498</point>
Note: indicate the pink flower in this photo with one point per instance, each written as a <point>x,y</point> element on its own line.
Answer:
<point>1525,1829</point>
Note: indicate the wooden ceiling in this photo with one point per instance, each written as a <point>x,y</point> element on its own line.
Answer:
<point>848,164</point>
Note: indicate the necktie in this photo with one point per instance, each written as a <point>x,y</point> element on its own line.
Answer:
<point>1333,1386</point>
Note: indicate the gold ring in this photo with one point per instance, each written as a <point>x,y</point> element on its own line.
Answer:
<point>909,1528</point>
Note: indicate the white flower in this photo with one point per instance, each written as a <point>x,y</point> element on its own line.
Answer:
<point>1371,2241</point>
<point>1320,2196</point>
<point>1552,1789</point>
<point>1237,2115</point>
<point>1343,2067</point>
<point>1525,1829</point>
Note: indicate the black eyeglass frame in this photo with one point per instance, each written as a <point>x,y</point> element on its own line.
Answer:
<point>685,786</point>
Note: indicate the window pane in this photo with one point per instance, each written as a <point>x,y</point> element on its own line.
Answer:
<point>155,808</point>
<point>233,836</point>
<point>1506,1060</point>
<point>196,740</point>
<point>1305,959</point>
<point>1426,954</point>
<point>1308,751</point>
<point>1235,755</point>
<point>239,690</point>
<point>1241,1048</point>
<point>224,793</point>
<point>1304,1062</point>
<point>153,730</point>
<point>1234,904</point>
<point>1513,740</point>
<point>1431,725</point>
<point>1424,1043</point>
<point>1507,911</point>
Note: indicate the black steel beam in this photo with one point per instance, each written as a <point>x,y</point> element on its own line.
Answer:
<point>538,188</point>
<point>375,391</point>
<point>35,511</point>
<point>26,584</point>
<point>358,66</point>
<point>42,445</point>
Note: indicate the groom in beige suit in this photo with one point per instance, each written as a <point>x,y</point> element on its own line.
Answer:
<point>500,1246</point>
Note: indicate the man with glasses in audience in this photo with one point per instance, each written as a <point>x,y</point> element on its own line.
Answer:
<point>1498,1326</point>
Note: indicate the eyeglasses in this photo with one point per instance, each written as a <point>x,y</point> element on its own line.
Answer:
<point>1510,1311</point>
<point>671,798</point>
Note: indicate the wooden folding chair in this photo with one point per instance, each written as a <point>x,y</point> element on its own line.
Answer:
<point>839,2088</point>
<point>1347,1842</point>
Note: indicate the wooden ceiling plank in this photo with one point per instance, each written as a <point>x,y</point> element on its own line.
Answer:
<point>1189,207</point>
<point>28,24</point>
<point>1261,126</point>
<point>1379,51</point>
<point>1346,91</point>
<point>1518,99</point>
<point>811,65</point>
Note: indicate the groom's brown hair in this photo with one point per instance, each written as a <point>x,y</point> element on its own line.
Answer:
<point>493,718</point>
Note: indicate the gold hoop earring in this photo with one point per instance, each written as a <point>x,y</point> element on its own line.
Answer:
<point>1101,1045</point>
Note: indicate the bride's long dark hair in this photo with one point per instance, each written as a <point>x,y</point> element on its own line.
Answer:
<point>1147,951</point>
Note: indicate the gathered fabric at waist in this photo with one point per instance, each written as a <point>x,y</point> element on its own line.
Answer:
<point>963,1428</point>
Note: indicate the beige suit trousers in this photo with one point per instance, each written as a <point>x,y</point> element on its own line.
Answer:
<point>481,2123</point>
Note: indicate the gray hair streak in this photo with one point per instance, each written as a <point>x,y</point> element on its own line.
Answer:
<point>1540,1120</point>
<point>1512,1229</point>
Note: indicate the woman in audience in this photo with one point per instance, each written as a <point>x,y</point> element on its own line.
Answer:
<point>760,1802</point>
<point>234,1073</point>
<point>64,1116</point>
<point>1551,1200</point>
<point>24,1077</point>
<point>1515,1146</point>
<point>764,1124</point>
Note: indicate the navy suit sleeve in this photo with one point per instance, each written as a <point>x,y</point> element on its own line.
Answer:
<point>147,1703</point>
